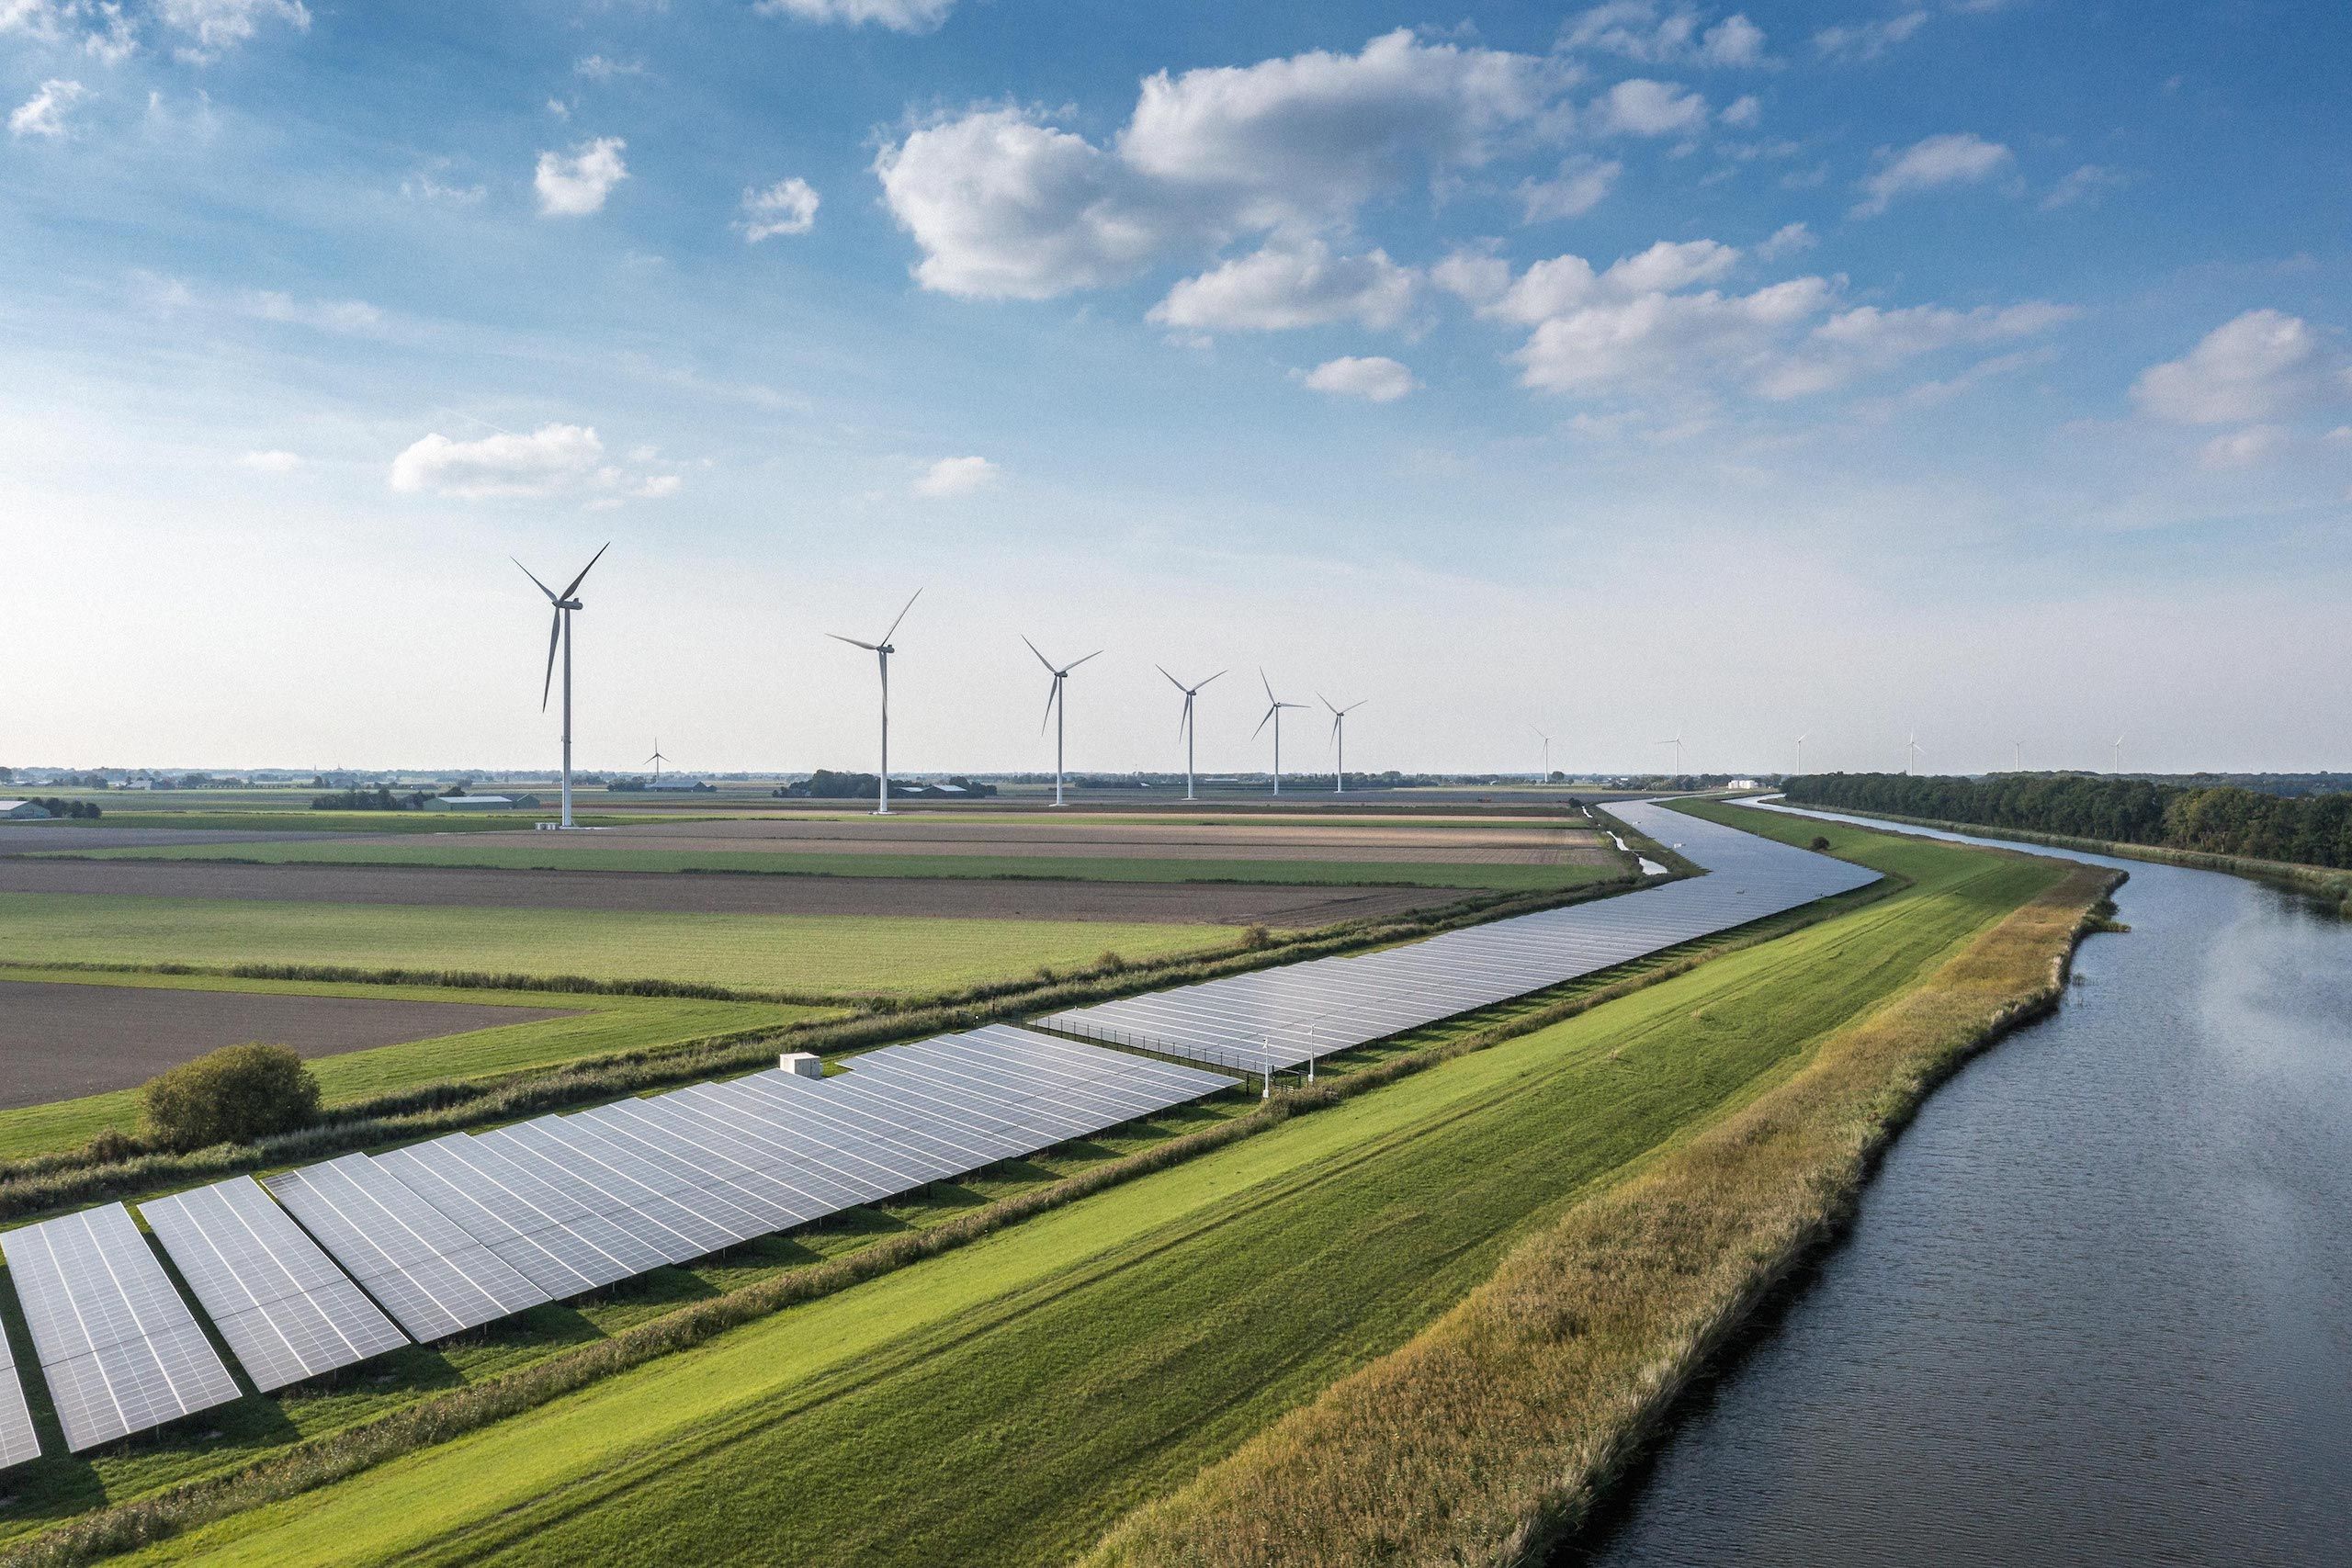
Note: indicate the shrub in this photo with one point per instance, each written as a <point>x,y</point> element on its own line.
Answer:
<point>1111,963</point>
<point>1821,841</point>
<point>1257,937</point>
<point>109,1144</point>
<point>232,1096</point>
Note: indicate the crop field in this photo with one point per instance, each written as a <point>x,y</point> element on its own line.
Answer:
<point>1006,1401</point>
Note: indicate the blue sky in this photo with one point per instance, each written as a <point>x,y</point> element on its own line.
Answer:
<point>1840,368</point>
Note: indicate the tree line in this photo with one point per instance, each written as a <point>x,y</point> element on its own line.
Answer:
<point>2226,820</point>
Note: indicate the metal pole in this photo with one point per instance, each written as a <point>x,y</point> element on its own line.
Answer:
<point>1339,779</point>
<point>882,789</point>
<point>1265,1069</point>
<point>1062,711</point>
<point>1278,751</point>
<point>1187,746</point>
<point>567,718</point>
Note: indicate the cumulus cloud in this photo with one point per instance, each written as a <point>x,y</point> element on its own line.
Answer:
<point>2247,448</point>
<point>1580,186</point>
<point>273,462</point>
<point>1003,205</point>
<point>603,68</point>
<point>1867,339</point>
<point>2260,365</point>
<point>1787,241</point>
<point>2082,188</point>
<point>787,207</point>
<point>1867,40</point>
<point>1639,106</point>
<point>219,26</point>
<point>1643,30</point>
<point>1374,379</point>
<point>44,114</point>
<point>1744,110</point>
<point>574,184</point>
<point>898,15</point>
<point>1953,158</point>
<point>1287,285</point>
<point>553,461</point>
<point>352,316</point>
<point>952,477</point>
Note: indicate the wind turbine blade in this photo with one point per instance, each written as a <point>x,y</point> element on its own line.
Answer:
<point>1076,662</point>
<point>1268,684</point>
<point>1361,701</point>
<point>1325,701</point>
<point>555,633</point>
<point>1041,657</point>
<point>869,647</point>
<point>589,568</point>
<point>1262,723</point>
<point>902,613</point>
<point>1211,677</point>
<point>527,571</point>
<point>1052,689</point>
<point>1172,680</point>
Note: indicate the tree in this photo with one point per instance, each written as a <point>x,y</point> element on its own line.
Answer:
<point>230,1096</point>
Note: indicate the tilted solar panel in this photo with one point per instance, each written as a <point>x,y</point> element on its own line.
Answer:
<point>284,1307</point>
<point>18,1441</point>
<point>118,1346</point>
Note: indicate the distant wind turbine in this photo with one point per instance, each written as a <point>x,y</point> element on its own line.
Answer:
<point>560,632</point>
<point>2117,764</point>
<point>2021,746</point>
<point>1911,753</point>
<point>657,759</point>
<point>1056,710</point>
<point>1547,755</point>
<point>1338,738</point>
<point>881,649</point>
<point>1185,725</point>
<point>1801,752</point>
<point>1676,744</point>
<point>1274,706</point>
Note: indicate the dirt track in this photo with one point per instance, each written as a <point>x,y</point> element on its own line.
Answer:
<point>60,1041</point>
<point>1234,904</point>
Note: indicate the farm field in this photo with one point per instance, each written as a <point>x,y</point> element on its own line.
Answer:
<point>1005,1403</point>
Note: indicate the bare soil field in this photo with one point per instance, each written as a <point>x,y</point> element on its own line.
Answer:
<point>1183,903</point>
<point>58,1042</point>
<point>38,838</point>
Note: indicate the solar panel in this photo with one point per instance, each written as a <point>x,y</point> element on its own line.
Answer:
<point>1283,1018</point>
<point>417,1262</point>
<point>118,1346</point>
<point>284,1309</point>
<point>539,1228</point>
<point>18,1442</point>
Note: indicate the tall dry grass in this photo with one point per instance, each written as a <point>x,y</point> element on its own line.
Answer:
<point>1488,1437</point>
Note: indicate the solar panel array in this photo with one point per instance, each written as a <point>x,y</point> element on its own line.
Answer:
<point>119,1347</point>
<point>18,1442</point>
<point>286,1311</point>
<point>1284,1017</point>
<point>474,1225</point>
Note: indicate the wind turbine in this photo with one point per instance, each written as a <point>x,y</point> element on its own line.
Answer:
<point>1338,738</point>
<point>560,632</point>
<point>1911,753</point>
<point>1184,725</point>
<point>1056,709</point>
<point>2117,764</point>
<point>1676,744</point>
<point>1547,755</point>
<point>882,651</point>
<point>657,759</point>
<point>2021,746</point>
<point>1274,706</point>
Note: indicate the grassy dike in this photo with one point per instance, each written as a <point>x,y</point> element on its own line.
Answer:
<point>1489,1436</point>
<point>1007,1400</point>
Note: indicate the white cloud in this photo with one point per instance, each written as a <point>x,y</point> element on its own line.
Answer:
<point>952,477</point>
<point>2260,365</point>
<point>1787,241</point>
<point>1576,189</point>
<point>1285,287</point>
<point>114,38</point>
<point>1953,158</point>
<point>219,26</point>
<point>426,187</point>
<point>898,15</point>
<point>354,316</point>
<point>575,184</point>
<point>1641,29</point>
<point>1374,379</point>
<point>2085,186</point>
<point>1567,283</point>
<point>44,113</point>
<point>1475,275</point>
<point>1744,110</point>
<point>553,461</point>
<point>1639,106</point>
<point>787,207</point>
<point>601,68</point>
<point>2247,448</point>
<point>271,462</point>
<point>1867,339</point>
<point>1004,205</point>
<point>1867,40</point>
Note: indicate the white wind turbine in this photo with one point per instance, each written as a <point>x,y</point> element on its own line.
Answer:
<point>560,632</point>
<point>1274,706</point>
<point>1546,775</point>
<point>1911,753</point>
<point>2116,765</point>
<point>1338,738</point>
<point>1056,710</point>
<point>2021,747</point>
<point>1676,744</point>
<point>1184,730</point>
<point>881,649</point>
<point>1801,739</point>
<point>657,759</point>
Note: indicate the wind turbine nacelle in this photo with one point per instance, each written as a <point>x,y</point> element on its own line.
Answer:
<point>569,604</point>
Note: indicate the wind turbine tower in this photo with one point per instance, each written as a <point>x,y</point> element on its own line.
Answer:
<point>657,759</point>
<point>565,603</point>
<point>1676,744</point>
<point>1546,775</point>
<point>1911,753</point>
<point>881,649</point>
<point>1185,725</point>
<point>1056,710</point>
<point>1339,740</point>
<point>1801,752</point>
<point>2116,765</point>
<point>1274,706</point>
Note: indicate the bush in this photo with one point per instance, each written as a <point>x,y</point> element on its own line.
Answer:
<point>1821,842</point>
<point>232,1096</point>
<point>1257,937</point>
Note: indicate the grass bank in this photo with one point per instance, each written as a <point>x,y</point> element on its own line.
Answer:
<point>1489,1436</point>
<point>1006,1401</point>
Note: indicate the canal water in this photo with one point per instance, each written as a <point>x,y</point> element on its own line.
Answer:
<point>2097,1306</point>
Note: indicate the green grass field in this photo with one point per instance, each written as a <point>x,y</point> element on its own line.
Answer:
<point>845,955</point>
<point>1004,1402</point>
<point>394,850</point>
<point>277,817</point>
<point>604,1025</point>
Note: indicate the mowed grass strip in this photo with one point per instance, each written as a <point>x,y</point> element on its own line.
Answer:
<point>843,955</point>
<point>1004,1402</point>
<point>393,851</point>
<point>604,1025</point>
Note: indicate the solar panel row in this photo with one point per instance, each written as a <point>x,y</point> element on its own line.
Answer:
<point>1283,1018</point>
<point>472,1227</point>
<point>119,1347</point>
<point>18,1442</point>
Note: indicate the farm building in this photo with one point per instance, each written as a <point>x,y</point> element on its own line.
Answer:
<point>481,803</point>
<point>22,811</point>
